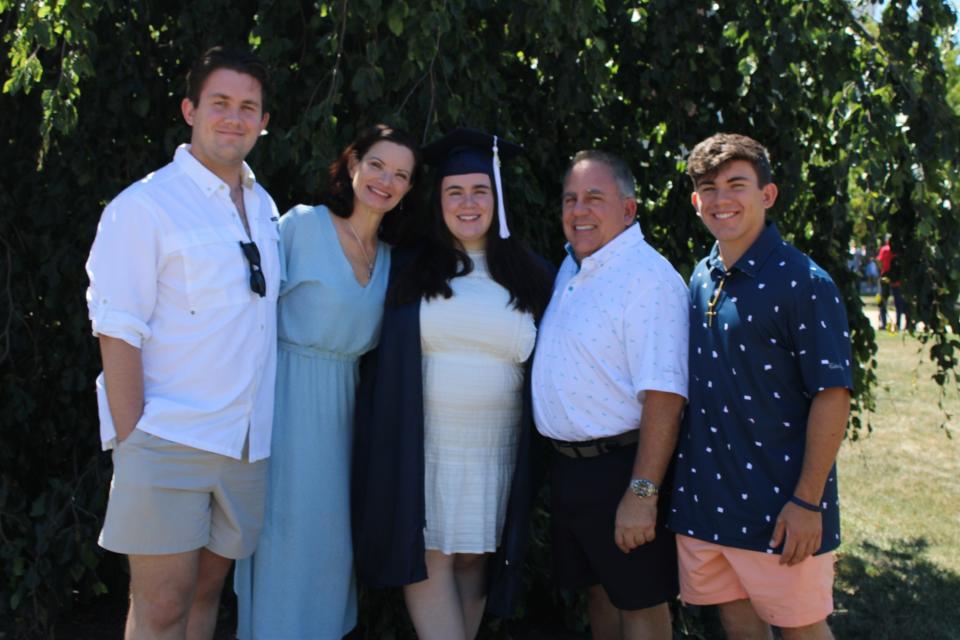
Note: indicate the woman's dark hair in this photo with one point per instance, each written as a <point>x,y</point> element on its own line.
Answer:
<point>511,264</point>
<point>338,194</point>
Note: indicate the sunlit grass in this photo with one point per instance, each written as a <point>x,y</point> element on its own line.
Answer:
<point>898,574</point>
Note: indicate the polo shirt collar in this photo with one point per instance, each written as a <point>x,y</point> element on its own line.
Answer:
<point>208,181</point>
<point>624,241</point>
<point>754,257</point>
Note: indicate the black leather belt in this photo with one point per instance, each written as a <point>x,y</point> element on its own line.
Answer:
<point>594,448</point>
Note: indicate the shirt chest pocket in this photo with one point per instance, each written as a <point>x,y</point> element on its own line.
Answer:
<point>215,271</point>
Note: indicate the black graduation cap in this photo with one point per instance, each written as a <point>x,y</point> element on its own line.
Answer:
<point>465,151</point>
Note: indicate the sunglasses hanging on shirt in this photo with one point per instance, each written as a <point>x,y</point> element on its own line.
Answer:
<point>258,283</point>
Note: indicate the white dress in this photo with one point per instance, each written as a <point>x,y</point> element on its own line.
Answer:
<point>474,346</point>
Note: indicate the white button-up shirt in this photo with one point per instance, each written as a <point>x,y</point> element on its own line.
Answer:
<point>615,328</point>
<point>168,276</point>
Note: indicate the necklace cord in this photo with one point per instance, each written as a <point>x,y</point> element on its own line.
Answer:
<point>366,256</point>
<point>714,300</point>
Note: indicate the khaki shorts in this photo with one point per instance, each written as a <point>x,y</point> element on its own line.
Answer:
<point>781,595</point>
<point>170,498</point>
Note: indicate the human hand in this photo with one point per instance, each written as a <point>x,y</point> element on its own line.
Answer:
<point>123,434</point>
<point>802,529</point>
<point>635,522</point>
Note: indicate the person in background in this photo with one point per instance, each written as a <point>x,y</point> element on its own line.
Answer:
<point>609,383</point>
<point>300,582</point>
<point>442,466</point>
<point>871,273</point>
<point>184,274</point>
<point>755,504</point>
<point>890,284</point>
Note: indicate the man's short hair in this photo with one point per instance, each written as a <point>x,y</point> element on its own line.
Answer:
<point>709,155</point>
<point>238,60</point>
<point>626,183</point>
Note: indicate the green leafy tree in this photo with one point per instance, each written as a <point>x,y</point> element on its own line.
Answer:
<point>951,61</point>
<point>856,118</point>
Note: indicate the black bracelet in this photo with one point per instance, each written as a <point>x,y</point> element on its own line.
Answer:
<point>806,505</point>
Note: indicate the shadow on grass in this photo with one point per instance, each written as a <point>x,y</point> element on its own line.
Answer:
<point>895,593</point>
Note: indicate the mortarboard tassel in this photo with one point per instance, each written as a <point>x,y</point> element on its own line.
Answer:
<point>501,210</point>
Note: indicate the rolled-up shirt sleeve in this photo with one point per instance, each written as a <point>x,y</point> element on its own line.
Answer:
<point>123,268</point>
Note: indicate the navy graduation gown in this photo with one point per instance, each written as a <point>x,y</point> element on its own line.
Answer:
<point>387,495</point>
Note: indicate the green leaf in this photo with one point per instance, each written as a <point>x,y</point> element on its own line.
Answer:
<point>39,506</point>
<point>395,18</point>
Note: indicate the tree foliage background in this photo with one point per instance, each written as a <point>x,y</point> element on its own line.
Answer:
<point>855,115</point>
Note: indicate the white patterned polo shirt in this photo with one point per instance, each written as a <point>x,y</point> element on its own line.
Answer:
<point>615,328</point>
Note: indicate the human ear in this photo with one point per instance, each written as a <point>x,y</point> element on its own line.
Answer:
<point>695,201</point>
<point>187,108</point>
<point>629,211</point>
<point>770,193</point>
<point>352,163</point>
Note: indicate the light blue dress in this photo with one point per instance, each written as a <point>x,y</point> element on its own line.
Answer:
<point>299,585</point>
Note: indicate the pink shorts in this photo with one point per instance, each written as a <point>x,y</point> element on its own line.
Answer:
<point>782,596</point>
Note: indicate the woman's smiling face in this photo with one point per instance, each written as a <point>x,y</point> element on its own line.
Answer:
<point>467,204</point>
<point>382,176</point>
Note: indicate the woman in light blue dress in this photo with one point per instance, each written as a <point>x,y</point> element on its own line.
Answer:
<point>299,584</point>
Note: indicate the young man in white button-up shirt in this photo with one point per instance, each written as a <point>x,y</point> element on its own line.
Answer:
<point>184,275</point>
<point>609,383</point>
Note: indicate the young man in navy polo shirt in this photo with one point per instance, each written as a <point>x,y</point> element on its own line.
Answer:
<point>755,500</point>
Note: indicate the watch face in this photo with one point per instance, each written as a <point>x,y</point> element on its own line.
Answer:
<point>643,488</point>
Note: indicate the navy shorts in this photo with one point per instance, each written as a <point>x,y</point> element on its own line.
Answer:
<point>585,494</point>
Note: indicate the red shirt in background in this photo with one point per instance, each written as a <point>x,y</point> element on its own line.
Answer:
<point>885,257</point>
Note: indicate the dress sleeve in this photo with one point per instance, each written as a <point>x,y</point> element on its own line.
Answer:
<point>123,268</point>
<point>301,237</point>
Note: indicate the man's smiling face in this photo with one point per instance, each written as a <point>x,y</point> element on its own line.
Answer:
<point>594,210</point>
<point>733,206</point>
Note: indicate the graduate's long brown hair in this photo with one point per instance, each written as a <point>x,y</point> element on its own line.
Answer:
<point>527,277</point>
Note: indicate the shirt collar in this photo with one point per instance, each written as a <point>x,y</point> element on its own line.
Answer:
<point>754,257</point>
<point>208,181</point>
<point>625,240</point>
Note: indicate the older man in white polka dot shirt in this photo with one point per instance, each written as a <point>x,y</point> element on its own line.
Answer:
<point>609,383</point>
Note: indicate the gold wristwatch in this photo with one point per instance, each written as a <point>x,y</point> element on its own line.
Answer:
<point>643,488</point>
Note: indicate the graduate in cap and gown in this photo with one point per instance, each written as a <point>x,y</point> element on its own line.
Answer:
<point>442,480</point>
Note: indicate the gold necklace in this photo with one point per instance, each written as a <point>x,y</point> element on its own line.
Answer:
<point>711,305</point>
<point>363,249</point>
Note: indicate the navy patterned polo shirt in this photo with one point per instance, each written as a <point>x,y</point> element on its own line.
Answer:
<point>779,336</point>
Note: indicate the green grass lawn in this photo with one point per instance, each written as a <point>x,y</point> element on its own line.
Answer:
<point>898,570</point>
